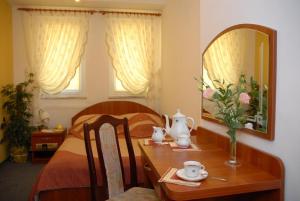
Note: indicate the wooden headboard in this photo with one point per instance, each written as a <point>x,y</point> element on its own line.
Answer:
<point>114,108</point>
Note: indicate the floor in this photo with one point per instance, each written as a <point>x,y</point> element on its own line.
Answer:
<point>16,180</point>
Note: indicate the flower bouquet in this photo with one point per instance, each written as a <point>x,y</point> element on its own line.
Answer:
<point>231,101</point>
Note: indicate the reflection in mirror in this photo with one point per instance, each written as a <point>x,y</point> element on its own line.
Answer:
<point>249,50</point>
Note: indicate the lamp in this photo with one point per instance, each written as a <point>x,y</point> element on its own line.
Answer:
<point>44,118</point>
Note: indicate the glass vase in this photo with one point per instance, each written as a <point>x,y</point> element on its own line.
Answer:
<point>232,146</point>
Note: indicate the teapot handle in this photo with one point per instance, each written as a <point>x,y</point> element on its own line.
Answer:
<point>193,123</point>
<point>164,131</point>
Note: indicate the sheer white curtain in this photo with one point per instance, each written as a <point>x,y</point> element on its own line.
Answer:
<point>230,56</point>
<point>134,45</point>
<point>55,45</point>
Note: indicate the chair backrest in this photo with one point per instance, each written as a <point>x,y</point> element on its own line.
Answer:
<point>109,155</point>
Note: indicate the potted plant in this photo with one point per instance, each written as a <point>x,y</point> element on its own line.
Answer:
<point>17,104</point>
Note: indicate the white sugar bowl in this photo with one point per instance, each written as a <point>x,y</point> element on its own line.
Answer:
<point>183,140</point>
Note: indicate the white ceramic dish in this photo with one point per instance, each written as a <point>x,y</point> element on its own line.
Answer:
<point>203,175</point>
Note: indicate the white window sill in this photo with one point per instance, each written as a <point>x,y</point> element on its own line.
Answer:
<point>126,97</point>
<point>123,94</point>
<point>63,96</point>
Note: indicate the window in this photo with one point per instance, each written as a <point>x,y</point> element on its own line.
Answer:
<point>118,85</point>
<point>206,78</point>
<point>74,85</point>
<point>75,89</point>
<point>116,89</point>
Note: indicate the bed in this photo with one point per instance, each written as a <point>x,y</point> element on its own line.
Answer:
<point>65,177</point>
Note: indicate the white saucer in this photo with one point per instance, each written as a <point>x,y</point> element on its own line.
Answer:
<point>201,176</point>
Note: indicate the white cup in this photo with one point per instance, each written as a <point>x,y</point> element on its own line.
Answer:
<point>193,168</point>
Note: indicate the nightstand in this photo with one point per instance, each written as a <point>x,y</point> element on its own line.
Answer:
<point>44,144</point>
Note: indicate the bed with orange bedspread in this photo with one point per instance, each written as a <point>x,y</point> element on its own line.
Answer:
<point>65,177</point>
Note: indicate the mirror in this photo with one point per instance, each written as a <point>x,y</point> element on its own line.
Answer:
<point>250,50</point>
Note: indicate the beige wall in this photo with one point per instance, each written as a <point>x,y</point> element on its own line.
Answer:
<point>5,59</point>
<point>283,16</point>
<point>181,58</point>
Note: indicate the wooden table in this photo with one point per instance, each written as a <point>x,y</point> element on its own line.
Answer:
<point>259,177</point>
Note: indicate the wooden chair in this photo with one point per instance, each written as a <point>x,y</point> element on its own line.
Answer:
<point>112,171</point>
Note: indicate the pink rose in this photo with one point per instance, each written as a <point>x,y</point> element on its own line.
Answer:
<point>244,98</point>
<point>208,93</point>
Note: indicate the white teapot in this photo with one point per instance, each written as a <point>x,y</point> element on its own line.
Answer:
<point>179,125</point>
<point>158,134</point>
<point>183,140</point>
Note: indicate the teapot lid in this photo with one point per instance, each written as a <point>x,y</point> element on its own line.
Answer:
<point>178,114</point>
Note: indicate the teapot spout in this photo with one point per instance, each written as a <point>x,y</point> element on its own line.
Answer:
<point>167,124</point>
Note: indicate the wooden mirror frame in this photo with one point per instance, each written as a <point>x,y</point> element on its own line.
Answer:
<point>272,34</point>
